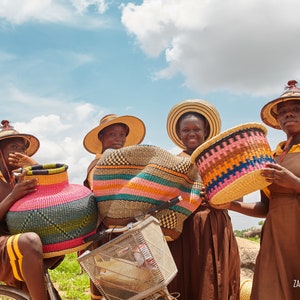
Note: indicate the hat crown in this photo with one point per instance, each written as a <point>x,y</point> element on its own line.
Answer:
<point>108,118</point>
<point>7,129</point>
<point>291,89</point>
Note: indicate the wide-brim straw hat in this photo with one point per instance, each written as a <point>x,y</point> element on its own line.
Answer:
<point>206,109</point>
<point>136,134</point>
<point>269,111</point>
<point>7,131</point>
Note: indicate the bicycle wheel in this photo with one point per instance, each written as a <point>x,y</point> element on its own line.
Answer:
<point>12,293</point>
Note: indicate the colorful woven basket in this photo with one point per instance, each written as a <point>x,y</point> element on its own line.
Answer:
<point>230,163</point>
<point>129,181</point>
<point>62,214</point>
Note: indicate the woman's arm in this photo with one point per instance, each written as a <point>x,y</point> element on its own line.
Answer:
<point>253,209</point>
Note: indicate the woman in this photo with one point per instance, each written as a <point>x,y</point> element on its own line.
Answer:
<point>113,132</point>
<point>277,269</point>
<point>22,263</point>
<point>206,252</point>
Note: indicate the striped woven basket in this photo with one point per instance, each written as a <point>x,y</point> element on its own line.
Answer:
<point>230,163</point>
<point>130,181</point>
<point>62,214</point>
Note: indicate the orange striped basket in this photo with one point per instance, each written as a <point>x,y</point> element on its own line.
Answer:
<point>230,163</point>
<point>132,180</point>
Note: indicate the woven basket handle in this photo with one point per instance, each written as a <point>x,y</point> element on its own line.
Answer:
<point>46,169</point>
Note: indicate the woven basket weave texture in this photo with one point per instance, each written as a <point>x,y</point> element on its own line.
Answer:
<point>130,181</point>
<point>230,163</point>
<point>62,214</point>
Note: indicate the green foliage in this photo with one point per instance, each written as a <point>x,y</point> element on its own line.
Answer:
<point>70,280</point>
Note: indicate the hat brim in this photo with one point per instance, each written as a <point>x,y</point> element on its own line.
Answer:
<point>135,135</point>
<point>33,142</point>
<point>266,112</point>
<point>206,109</point>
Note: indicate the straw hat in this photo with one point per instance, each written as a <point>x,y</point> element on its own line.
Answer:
<point>206,109</point>
<point>7,131</point>
<point>135,134</point>
<point>269,111</point>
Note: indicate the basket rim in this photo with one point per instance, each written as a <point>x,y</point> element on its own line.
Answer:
<point>221,135</point>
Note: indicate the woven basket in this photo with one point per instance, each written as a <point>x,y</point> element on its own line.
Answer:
<point>129,181</point>
<point>230,163</point>
<point>245,289</point>
<point>62,214</point>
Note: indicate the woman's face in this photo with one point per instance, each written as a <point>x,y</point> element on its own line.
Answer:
<point>192,132</point>
<point>113,136</point>
<point>288,117</point>
<point>12,145</point>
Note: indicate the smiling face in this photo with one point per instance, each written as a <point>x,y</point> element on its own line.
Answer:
<point>113,136</point>
<point>192,131</point>
<point>288,117</point>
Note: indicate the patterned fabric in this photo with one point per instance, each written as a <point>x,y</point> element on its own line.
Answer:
<point>130,181</point>
<point>62,214</point>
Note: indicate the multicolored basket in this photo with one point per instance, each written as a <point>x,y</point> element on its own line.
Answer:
<point>62,214</point>
<point>230,163</point>
<point>130,181</point>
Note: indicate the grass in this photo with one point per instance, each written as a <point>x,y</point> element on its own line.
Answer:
<point>70,280</point>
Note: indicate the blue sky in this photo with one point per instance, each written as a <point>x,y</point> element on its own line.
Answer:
<point>65,64</point>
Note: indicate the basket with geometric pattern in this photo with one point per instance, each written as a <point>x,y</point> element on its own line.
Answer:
<point>230,163</point>
<point>132,180</point>
<point>62,214</point>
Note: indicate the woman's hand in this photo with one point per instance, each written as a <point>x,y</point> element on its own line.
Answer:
<point>23,187</point>
<point>279,175</point>
<point>20,160</point>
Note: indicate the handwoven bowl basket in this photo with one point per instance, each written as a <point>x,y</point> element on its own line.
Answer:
<point>132,180</point>
<point>230,163</point>
<point>62,214</point>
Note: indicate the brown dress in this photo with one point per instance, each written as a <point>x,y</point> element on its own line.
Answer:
<point>207,257</point>
<point>277,271</point>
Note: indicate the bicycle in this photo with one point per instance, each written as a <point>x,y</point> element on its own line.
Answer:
<point>138,253</point>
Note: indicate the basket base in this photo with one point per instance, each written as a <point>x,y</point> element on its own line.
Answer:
<point>247,184</point>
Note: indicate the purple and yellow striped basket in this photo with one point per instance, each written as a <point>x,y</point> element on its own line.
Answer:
<point>130,181</point>
<point>62,214</point>
<point>230,163</point>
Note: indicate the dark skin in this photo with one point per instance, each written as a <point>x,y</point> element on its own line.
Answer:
<point>288,117</point>
<point>113,136</point>
<point>192,132</point>
<point>29,243</point>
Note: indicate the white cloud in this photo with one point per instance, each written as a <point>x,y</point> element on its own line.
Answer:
<point>71,13</point>
<point>82,5</point>
<point>241,46</point>
<point>61,130</point>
